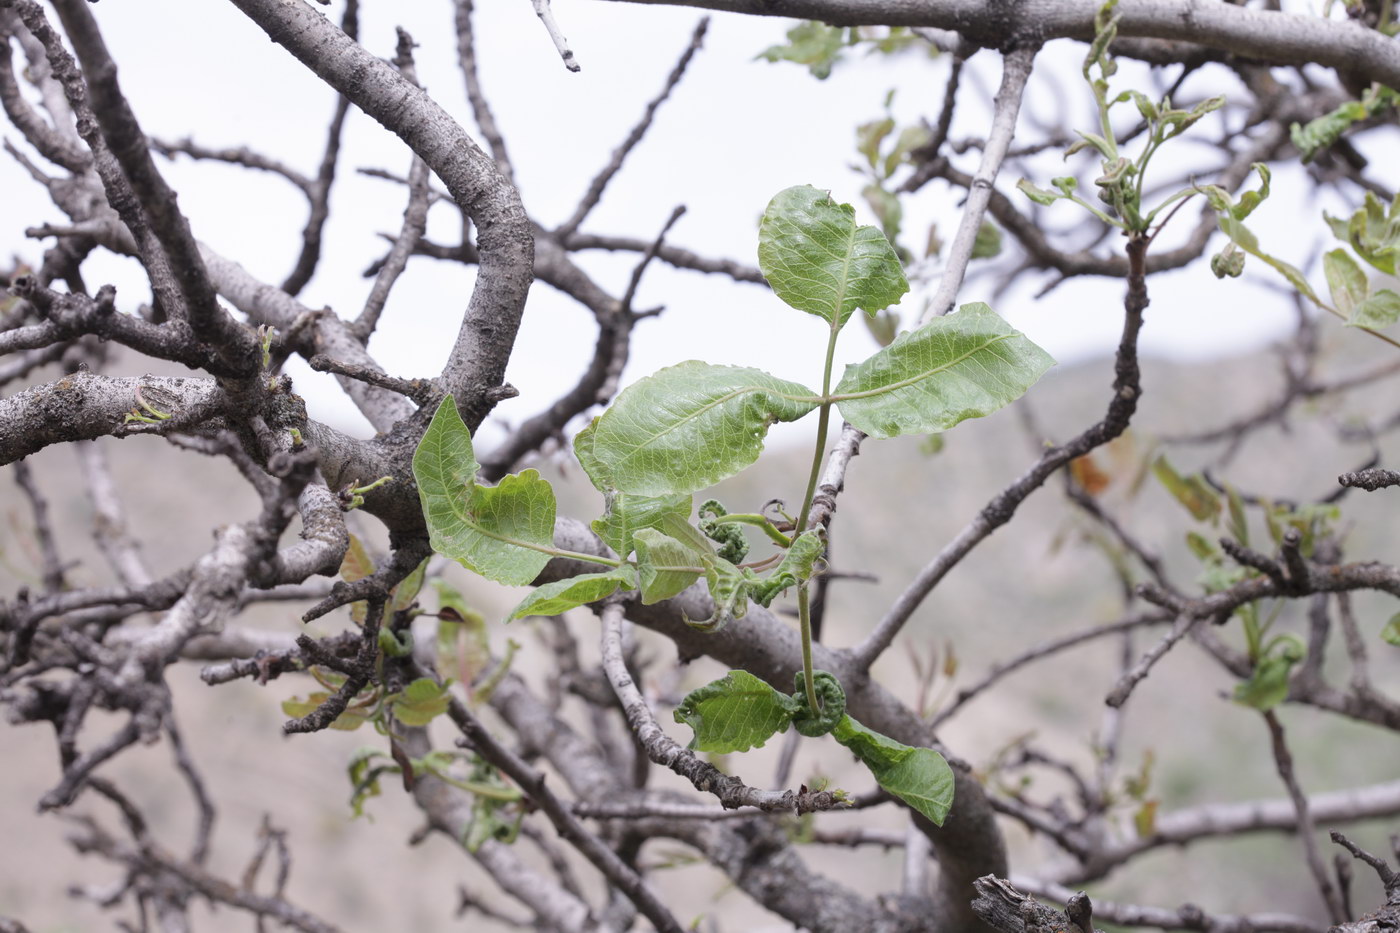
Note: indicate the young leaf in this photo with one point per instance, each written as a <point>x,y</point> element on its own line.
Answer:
<point>364,776</point>
<point>1390,634</point>
<point>1191,491</point>
<point>666,567</point>
<point>816,45</point>
<point>1372,231</point>
<point>819,261</point>
<point>964,365</point>
<point>353,718</point>
<point>1378,311</point>
<point>689,426</point>
<point>563,595</point>
<point>734,714</point>
<point>987,243</point>
<point>628,513</point>
<point>1345,280</point>
<point>1268,687</point>
<point>420,702</point>
<point>797,566</point>
<point>1038,195</point>
<point>918,776</point>
<point>408,588</point>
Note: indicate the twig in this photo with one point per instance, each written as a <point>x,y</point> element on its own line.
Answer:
<point>1044,650</point>
<point>665,751</point>
<point>415,218</point>
<point>619,874</point>
<point>319,191</point>
<point>1283,762</point>
<point>600,181</point>
<point>1370,480</point>
<point>997,512</point>
<point>1139,671</point>
<point>481,108</point>
<point>546,15</point>
<point>43,528</point>
<point>1016,70</point>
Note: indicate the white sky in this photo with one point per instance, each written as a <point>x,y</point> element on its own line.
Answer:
<point>735,132</point>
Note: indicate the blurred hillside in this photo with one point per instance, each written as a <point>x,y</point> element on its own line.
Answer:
<point>1041,576</point>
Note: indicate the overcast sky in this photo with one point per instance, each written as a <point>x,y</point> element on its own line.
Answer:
<point>734,133</point>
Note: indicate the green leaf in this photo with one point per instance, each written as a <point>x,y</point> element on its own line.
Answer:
<point>364,776</point>
<point>734,714</point>
<point>1390,634</point>
<point>1191,491</point>
<point>987,242</point>
<point>918,776</point>
<point>563,595</point>
<point>818,260</point>
<point>1322,132</point>
<point>353,718</point>
<point>597,472</point>
<point>1378,311</point>
<point>730,587</point>
<point>870,135</point>
<point>816,45</point>
<point>665,565</point>
<point>910,139</point>
<point>420,702</point>
<point>1373,231</point>
<point>796,567</point>
<point>1038,195</point>
<point>628,513</point>
<point>960,366</point>
<point>408,588</point>
<point>1252,199</point>
<point>1345,280</point>
<point>1268,687</point>
<point>690,426</point>
<point>492,530</point>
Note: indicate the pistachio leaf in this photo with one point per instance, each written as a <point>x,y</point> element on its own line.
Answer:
<point>959,366</point>
<point>818,260</point>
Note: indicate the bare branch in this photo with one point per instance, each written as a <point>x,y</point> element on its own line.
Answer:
<point>600,182</point>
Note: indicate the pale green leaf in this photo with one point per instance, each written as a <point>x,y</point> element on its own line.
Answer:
<point>816,45</point>
<point>818,260</point>
<point>628,513</point>
<point>495,531</point>
<point>1345,280</point>
<point>408,589</point>
<point>1391,632</point>
<point>1380,310</point>
<point>1038,195</point>
<point>1268,686</point>
<point>918,776</point>
<point>563,595</point>
<point>420,702</point>
<point>959,366</point>
<point>1191,491</point>
<point>690,426</point>
<point>665,565</point>
<point>987,243</point>
<point>735,713</point>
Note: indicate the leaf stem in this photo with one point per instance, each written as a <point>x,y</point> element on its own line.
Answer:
<point>804,611</point>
